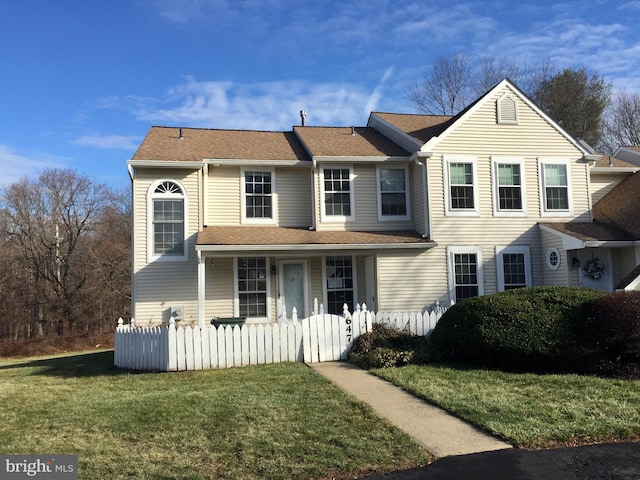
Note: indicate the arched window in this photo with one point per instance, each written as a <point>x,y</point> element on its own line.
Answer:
<point>167,221</point>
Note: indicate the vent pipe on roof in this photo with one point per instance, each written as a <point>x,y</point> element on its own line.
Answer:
<point>353,131</point>
<point>181,137</point>
<point>303,117</point>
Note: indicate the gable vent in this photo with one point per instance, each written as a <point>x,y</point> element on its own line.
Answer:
<point>507,109</point>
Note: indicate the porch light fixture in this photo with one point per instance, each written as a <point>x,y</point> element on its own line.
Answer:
<point>575,262</point>
<point>273,270</point>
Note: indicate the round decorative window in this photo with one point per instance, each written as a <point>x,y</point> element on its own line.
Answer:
<point>553,258</point>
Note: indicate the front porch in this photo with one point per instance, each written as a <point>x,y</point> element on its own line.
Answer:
<point>264,273</point>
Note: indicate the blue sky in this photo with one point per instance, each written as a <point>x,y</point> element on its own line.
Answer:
<point>81,81</point>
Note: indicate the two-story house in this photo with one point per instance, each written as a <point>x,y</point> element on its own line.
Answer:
<point>399,214</point>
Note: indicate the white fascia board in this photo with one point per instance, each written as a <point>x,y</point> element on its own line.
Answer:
<point>605,170</point>
<point>255,162</point>
<point>164,164</point>
<point>398,132</point>
<point>568,242</point>
<point>361,159</point>
<point>609,243</point>
<point>314,247</point>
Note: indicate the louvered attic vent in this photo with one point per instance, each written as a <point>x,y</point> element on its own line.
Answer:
<point>507,109</point>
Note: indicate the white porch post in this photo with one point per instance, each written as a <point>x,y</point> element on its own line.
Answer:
<point>201,288</point>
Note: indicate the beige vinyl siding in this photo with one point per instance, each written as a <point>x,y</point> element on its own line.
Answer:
<point>224,196</point>
<point>157,286</point>
<point>532,138</point>
<point>365,198</point>
<point>315,269</point>
<point>601,184</point>
<point>293,195</point>
<point>412,281</point>
<point>219,288</point>
<point>561,275</point>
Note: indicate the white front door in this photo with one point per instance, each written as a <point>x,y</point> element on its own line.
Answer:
<point>294,287</point>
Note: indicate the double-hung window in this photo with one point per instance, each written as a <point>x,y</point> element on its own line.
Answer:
<point>167,222</point>
<point>339,277</point>
<point>508,174</point>
<point>393,193</point>
<point>555,186</point>
<point>461,192</point>
<point>514,267</point>
<point>465,272</point>
<point>337,193</point>
<point>258,196</point>
<point>252,287</point>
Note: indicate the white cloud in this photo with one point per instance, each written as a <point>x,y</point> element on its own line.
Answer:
<point>262,106</point>
<point>16,166</point>
<point>122,142</point>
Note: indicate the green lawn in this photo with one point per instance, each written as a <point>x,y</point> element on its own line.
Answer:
<point>530,411</point>
<point>272,421</point>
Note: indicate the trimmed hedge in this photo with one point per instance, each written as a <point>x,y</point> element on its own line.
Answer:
<point>386,346</point>
<point>528,329</point>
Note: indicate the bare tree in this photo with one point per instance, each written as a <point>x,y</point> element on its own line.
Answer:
<point>46,220</point>
<point>446,90</point>
<point>622,123</point>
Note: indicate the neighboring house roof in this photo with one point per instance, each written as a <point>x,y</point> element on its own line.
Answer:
<point>620,206</point>
<point>198,144</point>
<point>234,237</point>
<point>591,231</point>
<point>347,142</point>
<point>420,127</point>
<point>616,217</point>
<point>611,161</point>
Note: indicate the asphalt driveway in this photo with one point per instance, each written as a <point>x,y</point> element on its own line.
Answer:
<point>611,461</point>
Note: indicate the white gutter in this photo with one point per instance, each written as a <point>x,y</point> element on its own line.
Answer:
<point>313,247</point>
<point>253,162</point>
<point>164,164</point>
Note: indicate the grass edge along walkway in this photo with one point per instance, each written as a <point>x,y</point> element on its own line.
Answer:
<point>528,410</point>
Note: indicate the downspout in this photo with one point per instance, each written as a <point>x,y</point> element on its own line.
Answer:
<point>205,195</point>
<point>133,250</point>
<point>201,287</point>
<point>313,194</point>
<point>420,158</point>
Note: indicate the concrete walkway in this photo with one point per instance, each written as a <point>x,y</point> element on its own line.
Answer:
<point>439,432</point>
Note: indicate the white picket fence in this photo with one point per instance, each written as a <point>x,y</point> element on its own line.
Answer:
<point>318,338</point>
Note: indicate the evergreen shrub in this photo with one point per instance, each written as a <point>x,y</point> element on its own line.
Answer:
<point>527,329</point>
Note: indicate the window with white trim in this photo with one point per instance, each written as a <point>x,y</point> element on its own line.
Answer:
<point>393,193</point>
<point>514,267</point>
<point>461,192</point>
<point>167,236</point>
<point>508,174</point>
<point>252,286</point>
<point>337,193</point>
<point>257,201</point>
<point>555,191</point>
<point>465,273</point>
<point>340,283</point>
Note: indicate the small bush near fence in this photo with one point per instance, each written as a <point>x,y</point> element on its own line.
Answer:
<point>529,329</point>
<point>387,346</point>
